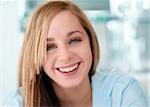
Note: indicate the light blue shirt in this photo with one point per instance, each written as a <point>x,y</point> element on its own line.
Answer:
<point>108,90</point>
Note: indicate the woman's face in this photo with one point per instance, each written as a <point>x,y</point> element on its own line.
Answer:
<point>69,56</point>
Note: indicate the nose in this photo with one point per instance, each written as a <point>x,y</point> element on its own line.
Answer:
<point>64,54</point>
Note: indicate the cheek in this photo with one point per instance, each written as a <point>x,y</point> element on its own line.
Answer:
<point>87,60</point>
<point>88,57</point>
<point>48,64</point>
<point>86,54</point>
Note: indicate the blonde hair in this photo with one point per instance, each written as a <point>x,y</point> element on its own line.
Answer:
<point>34,50</point>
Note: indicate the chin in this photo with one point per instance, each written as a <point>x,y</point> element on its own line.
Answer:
<point>70,85</point>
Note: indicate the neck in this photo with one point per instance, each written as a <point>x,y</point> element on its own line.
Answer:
<point>77,96</point>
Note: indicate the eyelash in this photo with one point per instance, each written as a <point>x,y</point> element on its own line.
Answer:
<point>76,40</point>
<point>72,41</point>
<point>51,46</point>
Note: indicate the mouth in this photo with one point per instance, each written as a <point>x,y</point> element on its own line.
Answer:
<point>69,69</point>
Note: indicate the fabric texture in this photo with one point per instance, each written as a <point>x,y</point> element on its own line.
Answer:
<point>112,89</point>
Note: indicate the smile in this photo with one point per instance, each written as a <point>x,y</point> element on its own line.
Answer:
<point>68,69</point>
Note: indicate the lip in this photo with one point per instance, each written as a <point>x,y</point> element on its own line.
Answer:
<point>69,73</point>
<point>67,66</point>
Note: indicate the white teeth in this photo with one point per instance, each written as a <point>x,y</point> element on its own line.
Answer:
<point>68,69</point>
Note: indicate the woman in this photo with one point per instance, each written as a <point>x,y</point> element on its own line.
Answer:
<point>58,62</point>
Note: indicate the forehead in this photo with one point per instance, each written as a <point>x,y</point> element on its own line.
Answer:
<point>63,23</point>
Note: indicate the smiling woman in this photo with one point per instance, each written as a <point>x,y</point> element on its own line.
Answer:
<point>58,64</point>
<point>71,40</point>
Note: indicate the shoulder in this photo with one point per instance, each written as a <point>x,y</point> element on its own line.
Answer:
<point>113,78</point>
<point>121,89</point>
<point>15,99</point>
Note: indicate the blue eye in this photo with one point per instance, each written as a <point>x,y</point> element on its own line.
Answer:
<point>51,46</point>
<point>74,41</point>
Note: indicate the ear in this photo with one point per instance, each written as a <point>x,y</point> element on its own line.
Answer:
<point>37,70</point>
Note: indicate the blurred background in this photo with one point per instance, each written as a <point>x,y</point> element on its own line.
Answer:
<point>122,27</point>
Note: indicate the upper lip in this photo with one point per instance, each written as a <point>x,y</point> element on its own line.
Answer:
<point>66,66</point>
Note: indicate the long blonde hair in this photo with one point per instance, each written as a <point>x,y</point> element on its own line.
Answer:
<point>34,50</point>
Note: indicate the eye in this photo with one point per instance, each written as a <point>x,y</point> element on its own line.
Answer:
<point>51,47</point>
<point>75,40</point>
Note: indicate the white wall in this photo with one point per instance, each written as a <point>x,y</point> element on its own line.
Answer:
<point>10,43</point>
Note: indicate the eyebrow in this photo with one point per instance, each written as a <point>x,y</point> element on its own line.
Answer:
<point>68,34</point>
